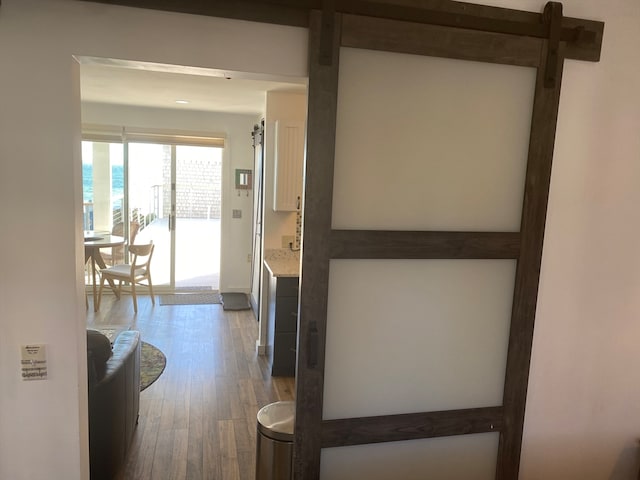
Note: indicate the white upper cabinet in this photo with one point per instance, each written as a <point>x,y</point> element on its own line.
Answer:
<point>289,156</point>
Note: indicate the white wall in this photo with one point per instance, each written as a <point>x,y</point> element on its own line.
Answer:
<point>43,424</point>
<point>238,153</point>
<point>583,411</point>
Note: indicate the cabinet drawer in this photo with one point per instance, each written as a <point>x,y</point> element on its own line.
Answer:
<point>287,287</point>
<point>286,314</point>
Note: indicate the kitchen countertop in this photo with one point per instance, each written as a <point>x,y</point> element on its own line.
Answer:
<point>282,262</point>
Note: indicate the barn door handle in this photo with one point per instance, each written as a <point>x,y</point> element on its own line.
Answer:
<point>312,346</point>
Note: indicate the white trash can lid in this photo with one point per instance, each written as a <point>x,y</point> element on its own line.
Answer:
<point>277,420</point>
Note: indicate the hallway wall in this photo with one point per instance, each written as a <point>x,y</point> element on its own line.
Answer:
<point>43,432</point>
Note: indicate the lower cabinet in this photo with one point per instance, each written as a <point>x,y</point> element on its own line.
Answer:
<point>283,323</point>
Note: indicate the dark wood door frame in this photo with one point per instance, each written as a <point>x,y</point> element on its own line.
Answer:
<point>425,27</point>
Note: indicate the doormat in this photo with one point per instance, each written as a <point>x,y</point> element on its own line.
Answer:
<point>235,301</point>
<point>190,299</point>
<point>152,363</point>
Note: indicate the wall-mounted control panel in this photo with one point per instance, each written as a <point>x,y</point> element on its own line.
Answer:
<point>34,362</point>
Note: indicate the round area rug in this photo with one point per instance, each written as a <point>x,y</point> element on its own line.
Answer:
<point>152,363</point>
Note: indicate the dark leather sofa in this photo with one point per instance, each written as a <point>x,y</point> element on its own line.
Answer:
<point>114,399</point>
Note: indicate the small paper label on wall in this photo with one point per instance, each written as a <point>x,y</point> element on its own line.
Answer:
<point>34,362</point>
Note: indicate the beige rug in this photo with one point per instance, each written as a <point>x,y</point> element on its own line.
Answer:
<point>152,363</point>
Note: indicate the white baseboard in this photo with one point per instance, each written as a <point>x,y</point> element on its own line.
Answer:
<point>261,349</point>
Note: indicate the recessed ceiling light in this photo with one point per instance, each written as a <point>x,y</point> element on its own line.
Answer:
<point>182,101</point>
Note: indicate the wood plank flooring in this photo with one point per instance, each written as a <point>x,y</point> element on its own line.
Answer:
<point>198,420</point>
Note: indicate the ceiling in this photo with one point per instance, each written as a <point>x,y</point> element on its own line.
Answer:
<point>157,85</point>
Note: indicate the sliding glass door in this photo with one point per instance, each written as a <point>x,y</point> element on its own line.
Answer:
<point>197,219</point>
<point>174,195</point>
<point>163,188</point>
<point>149,182</point>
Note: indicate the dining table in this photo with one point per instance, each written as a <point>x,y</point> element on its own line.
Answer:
<point>93,242</point>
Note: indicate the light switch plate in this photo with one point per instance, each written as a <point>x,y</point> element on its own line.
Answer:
<point>34,362</point>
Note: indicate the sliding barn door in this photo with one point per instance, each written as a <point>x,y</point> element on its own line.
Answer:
<point>428,161</point>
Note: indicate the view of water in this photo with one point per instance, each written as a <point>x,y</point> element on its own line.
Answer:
<point>117,178</point>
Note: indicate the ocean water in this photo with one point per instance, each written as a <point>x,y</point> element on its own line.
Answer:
<point>117,179</point>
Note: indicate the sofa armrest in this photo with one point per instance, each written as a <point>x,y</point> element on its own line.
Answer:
<point>113,407</point>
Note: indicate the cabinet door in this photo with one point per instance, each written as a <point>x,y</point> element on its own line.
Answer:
<point>286,314</point>
<point>284,355</point>
<point>289,154</point>
<point>287,287</point>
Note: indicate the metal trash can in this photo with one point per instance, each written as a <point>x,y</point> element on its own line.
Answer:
<point>274,454</point>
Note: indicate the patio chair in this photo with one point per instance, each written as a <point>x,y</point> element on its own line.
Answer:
<point>117,253</point>
<point>135,273</point>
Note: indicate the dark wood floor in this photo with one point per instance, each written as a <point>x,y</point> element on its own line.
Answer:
<point>198,421</point>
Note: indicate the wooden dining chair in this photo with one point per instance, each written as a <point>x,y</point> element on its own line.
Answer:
<point>134,273</point>
<point>115,255</point>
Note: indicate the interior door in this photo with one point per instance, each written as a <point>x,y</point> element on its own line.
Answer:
<point>428,163</point>
<point>256,257</point>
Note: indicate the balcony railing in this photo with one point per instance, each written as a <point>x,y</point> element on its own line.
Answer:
<point>136,214</point>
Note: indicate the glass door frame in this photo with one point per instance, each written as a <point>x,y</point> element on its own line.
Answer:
<point>172,199</point>
<point>172,140</point>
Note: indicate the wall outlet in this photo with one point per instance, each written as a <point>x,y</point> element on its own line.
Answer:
<point>236,213</point>
<point>288,240</point>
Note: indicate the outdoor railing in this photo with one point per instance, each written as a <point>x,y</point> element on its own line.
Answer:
<point>136,214</point>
